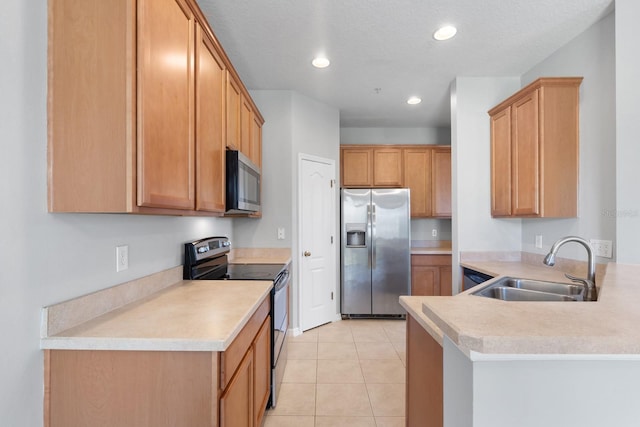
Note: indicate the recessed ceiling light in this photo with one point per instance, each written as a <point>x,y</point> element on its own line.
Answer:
<point>445,33</point>
<point>414,100</point>
<point>320,62</point>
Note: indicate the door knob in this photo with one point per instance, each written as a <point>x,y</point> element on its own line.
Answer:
<point>307,253</point>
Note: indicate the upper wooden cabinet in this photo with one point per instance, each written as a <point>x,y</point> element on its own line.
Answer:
<point>535,150</point>
<point>211,80</point>
<point>387,167</point>
<point>424,169</point>
<point>417,178</point>
<point>441,182</point>
<point>356,167</point>
<point>137,108</point>
<point>371,166</point>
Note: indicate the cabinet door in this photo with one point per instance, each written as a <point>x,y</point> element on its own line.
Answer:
<point>246,123</point>
<point>526,156</point>
<point>442,182</point>
<point>446,288</point>
<point>357,167</point>
<point>210,119</point>
<point>234,104</point>
<point>425,280</point>
<point>387,167</point>
<point>256,140</point>
<point>261,370</point>
<point>236,403</point>
<point>501,163</point>
<point>165,90</point>
<point>424,378</point>
<point>417,178</point>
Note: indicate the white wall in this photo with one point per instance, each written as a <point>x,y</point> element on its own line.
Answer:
<point>383,135</point>
<point>47,258</point>
<point>592,56</point>
<point>316,132</point>
<point>277,173</point>
<point>628,129</point>
<point>473,228</point>
<point>294,124</point>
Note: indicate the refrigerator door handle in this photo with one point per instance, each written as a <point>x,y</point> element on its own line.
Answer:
<point>369,234</point>
<point>373,236</point>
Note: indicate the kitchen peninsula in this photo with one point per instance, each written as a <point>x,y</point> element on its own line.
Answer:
<point>506,363</point>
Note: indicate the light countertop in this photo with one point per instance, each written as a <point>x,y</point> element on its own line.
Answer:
<point>431,247</point>
<point>203,315</point>
<point>260,256</point>
<point>608,326</point>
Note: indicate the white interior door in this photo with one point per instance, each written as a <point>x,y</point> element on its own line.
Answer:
<point>317,242</point>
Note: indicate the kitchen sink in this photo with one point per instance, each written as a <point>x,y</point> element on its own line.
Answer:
<point>518,289</point>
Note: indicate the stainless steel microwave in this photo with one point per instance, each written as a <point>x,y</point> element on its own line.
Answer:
<point>243,184</point>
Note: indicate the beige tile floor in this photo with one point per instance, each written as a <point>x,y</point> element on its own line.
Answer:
<point>346,373</point>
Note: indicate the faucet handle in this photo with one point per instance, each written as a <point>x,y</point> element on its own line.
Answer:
<point>591,293</point>
<point>588,283</point>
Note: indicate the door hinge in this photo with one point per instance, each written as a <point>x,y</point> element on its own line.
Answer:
<point>331,296</point>
<point>332,240</point>
<point>331,182</point>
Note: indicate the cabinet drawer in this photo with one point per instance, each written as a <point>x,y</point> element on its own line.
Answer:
<point>439,260</point>
<point>230,359</point>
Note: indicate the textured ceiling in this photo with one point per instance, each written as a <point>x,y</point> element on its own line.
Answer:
<point>388,44</point>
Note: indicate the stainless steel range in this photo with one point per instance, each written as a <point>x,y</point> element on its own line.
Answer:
<point>206,259</point>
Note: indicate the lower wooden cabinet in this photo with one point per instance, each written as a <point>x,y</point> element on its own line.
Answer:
<point>236,403</point>
<point>424,404</point>
<point>431,275</point>
<point>163,388</point>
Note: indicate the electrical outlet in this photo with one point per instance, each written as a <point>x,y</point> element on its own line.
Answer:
<point>602,248</point>
<point>122,257</point>
<point>434,233</point>
<point>539,241</point>
<point>280,233</point>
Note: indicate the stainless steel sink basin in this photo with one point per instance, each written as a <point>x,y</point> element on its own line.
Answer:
<point>517,289</point>
<point>540,286</point>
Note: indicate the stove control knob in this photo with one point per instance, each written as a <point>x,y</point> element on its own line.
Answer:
<point>202,249</point>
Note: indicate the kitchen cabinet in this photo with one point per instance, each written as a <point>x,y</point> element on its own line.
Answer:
<point>356,167</point>
<point>535,150</point>
<point>424,169</point>
<point>371,166</point>
<point>441,182</point>
<point>427,173</point>
<point>245,372</point>
<point>431,275</point>
<point>417,178</point>
<point>165,147</point>
<point>387,167</point>
<point>145,136</point>
<point>424,387</point>
<point>211,79</point>
<point>163,388</point>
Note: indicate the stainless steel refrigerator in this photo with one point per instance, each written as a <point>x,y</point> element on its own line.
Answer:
<point>375,251</point>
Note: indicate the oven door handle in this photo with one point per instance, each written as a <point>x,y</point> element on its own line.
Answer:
<point>281,281</point>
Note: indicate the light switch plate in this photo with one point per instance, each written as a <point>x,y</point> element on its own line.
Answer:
<point>280,233</point>
<point>602,248</point>
<point>434,232</point>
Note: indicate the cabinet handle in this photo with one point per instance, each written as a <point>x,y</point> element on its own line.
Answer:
<point>307,253</point>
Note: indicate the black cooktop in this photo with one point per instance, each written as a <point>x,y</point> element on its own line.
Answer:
<point>253,271</point>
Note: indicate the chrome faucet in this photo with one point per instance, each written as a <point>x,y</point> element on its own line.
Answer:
<point>590,282</point>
